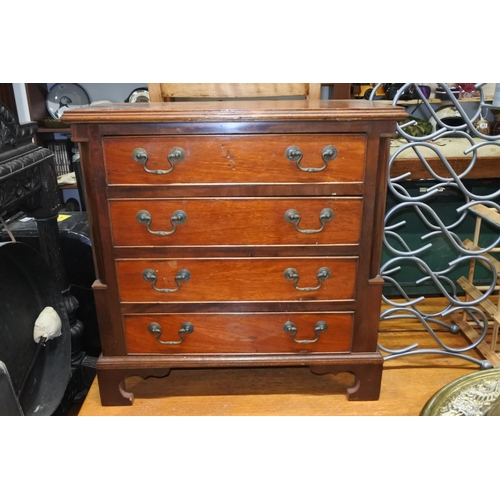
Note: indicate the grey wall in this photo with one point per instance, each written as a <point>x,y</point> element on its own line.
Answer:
<point>114,92</point>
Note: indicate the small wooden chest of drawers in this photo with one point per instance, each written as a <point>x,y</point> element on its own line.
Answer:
<point>236,234</point>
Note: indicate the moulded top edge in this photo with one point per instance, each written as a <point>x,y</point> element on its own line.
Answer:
<point>277,110</point>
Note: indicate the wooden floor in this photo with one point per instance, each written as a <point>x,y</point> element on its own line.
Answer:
<point>407,384</point>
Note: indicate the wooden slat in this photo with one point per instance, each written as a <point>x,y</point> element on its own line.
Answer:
<point>165,92</point>
<point>489,307</point>
<point>487,213</point>
<point>473,336</point>
<point>235,90</point>
<point>486,167</point>
<point>314,91</point>
<point>469,245</point>
<point>155,92</point>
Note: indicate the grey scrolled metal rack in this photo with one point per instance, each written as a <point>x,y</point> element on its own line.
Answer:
<point>401,254</point>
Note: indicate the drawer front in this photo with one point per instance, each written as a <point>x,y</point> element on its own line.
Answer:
<point>251,159</point>
<point>238,333</point>
<point>237,279</point>
<point>237,221</point>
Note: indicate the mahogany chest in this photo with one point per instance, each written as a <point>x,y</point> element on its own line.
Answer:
<point>236,234</point>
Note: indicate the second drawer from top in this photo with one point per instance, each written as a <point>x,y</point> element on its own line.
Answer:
<point>236,221</point>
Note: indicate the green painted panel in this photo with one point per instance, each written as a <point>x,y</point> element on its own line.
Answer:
<point>442,251</point>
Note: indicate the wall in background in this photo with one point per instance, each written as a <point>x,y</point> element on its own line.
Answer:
<point>114,92</point>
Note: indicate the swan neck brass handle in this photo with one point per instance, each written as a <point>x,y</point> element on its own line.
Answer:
<point>176,155</point>
<point>150,276</point>
<point>291,274</point>
<point>185,329</point>
<point>293,217</point>
<point>293,153</point>
<point>178,217</point>
<point>290,328</point>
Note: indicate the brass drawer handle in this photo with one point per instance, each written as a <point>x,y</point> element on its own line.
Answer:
<point>185,329</point>
<point>293,153</point>
<point>290,328</point>
<point>182,276</point>
<point>176,155</point>
<point>178,217</point>
<point>293,217</point>
<point>291,274</point>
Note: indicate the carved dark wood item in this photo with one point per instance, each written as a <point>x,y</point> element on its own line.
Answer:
<point>8,98</point>
<point>28,183</point>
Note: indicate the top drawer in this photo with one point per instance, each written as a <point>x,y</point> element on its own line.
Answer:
<point>215,159</point>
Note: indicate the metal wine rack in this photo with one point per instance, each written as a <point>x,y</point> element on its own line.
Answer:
<point>439,234</point>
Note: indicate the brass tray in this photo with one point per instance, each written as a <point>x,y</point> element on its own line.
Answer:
<point>470,395</point>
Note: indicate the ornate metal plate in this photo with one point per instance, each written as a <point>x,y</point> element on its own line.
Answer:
<point>470,395</point>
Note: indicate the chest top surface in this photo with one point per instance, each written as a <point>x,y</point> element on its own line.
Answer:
<point>239,111</point>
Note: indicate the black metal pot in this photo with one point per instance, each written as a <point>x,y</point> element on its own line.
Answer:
<point>27,286</point>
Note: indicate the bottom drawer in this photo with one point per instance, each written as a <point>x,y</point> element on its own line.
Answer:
<point>238,333</point>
